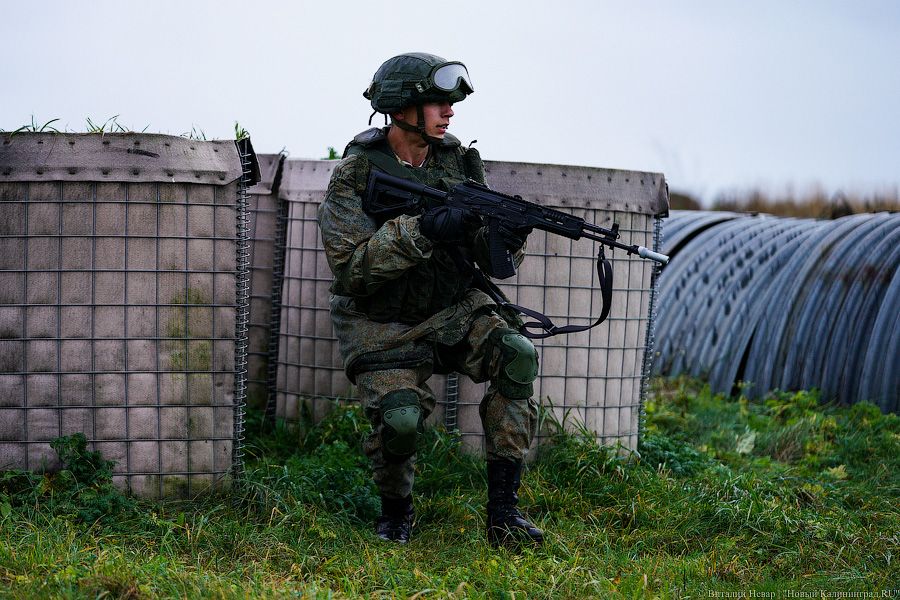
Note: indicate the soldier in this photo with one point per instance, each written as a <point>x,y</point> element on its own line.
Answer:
<point>403,303</point>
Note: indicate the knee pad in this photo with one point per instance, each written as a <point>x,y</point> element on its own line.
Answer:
<point>518,363</point>
<point>402,425</point>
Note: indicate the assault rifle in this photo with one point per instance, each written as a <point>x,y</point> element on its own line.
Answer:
<point>388,196</point>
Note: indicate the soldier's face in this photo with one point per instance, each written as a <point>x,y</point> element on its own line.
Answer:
<point>437,117</point>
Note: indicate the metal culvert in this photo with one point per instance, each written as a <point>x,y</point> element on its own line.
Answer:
<point>879,375</point>
<point>782,303</point>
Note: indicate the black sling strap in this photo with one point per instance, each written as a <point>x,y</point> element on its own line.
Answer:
<point>543,322</point>
<point>383,157</point>
<point>389,164</point>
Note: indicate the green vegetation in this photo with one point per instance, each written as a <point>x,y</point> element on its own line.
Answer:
<point>33,127</point>
<point>111,125</point>
<point>728,495</point>
<point>82,491</point>
<point>815,204</point>
<point>239,132</point>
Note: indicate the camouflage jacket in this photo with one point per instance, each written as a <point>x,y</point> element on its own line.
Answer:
<point>393,286</point>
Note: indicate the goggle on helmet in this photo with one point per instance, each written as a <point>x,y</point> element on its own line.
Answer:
<point>416,78</point>
<point>447,77</point>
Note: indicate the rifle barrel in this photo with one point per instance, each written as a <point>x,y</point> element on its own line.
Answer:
<point>639,250</point>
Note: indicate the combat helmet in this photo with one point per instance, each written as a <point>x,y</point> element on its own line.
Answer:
<point>414,78</point>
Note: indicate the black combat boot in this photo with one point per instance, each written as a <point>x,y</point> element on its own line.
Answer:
<point>505,524</point>
<point>395,522</point>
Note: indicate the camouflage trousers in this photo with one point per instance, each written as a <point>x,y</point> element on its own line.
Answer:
<point>509,424</point>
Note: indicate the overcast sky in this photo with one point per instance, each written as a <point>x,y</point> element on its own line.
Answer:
<point>717,95</point>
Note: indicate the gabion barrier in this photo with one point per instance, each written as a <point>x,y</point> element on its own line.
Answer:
<point>123,304</point>
<point>266,269</point>
<point>593,378</point>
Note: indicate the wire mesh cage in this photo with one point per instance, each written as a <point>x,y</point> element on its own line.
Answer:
<point>266,266</point>
<point>593,379</point>
<point>123,301</point>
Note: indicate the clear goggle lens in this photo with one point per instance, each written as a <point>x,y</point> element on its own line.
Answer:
<point>450,76</point>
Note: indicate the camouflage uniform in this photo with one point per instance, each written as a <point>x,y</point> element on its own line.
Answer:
<point>403,309</point>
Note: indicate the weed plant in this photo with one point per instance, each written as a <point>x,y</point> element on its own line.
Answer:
<point>780,497</point>
<point>112,125</point>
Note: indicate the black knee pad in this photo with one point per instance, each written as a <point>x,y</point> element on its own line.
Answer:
<point>518,364</point>
<point>402,425</point>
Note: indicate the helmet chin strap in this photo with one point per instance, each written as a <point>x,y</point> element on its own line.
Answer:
<point>419,127</point>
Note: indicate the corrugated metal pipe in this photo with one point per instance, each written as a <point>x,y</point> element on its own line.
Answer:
<point>782,303</point>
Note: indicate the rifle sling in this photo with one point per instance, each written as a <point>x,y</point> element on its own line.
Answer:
<point>383,157</point>
<point>543,322</point>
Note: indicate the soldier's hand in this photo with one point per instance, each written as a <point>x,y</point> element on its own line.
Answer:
<point>514,237</point>
<point>449,225</point>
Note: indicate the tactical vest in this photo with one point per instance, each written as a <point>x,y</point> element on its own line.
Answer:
<point>439,282</point>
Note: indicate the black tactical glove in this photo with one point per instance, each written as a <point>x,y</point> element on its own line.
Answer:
<point>449,225</point>
<point>513,237</point>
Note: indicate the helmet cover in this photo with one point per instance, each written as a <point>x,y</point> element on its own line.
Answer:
<point>416,78</point>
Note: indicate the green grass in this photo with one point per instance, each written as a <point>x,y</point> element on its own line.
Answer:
<point>728,495</point>
<point>112,125</point>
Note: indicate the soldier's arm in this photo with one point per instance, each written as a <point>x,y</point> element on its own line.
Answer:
<point>362,256</point>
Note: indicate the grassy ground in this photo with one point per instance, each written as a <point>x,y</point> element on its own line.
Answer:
<point>776,498</point>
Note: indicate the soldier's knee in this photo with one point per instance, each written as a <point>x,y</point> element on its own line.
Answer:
<point>402,425</point>
<point>517,362</point>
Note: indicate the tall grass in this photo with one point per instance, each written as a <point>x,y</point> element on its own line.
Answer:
<point>726,495</point>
